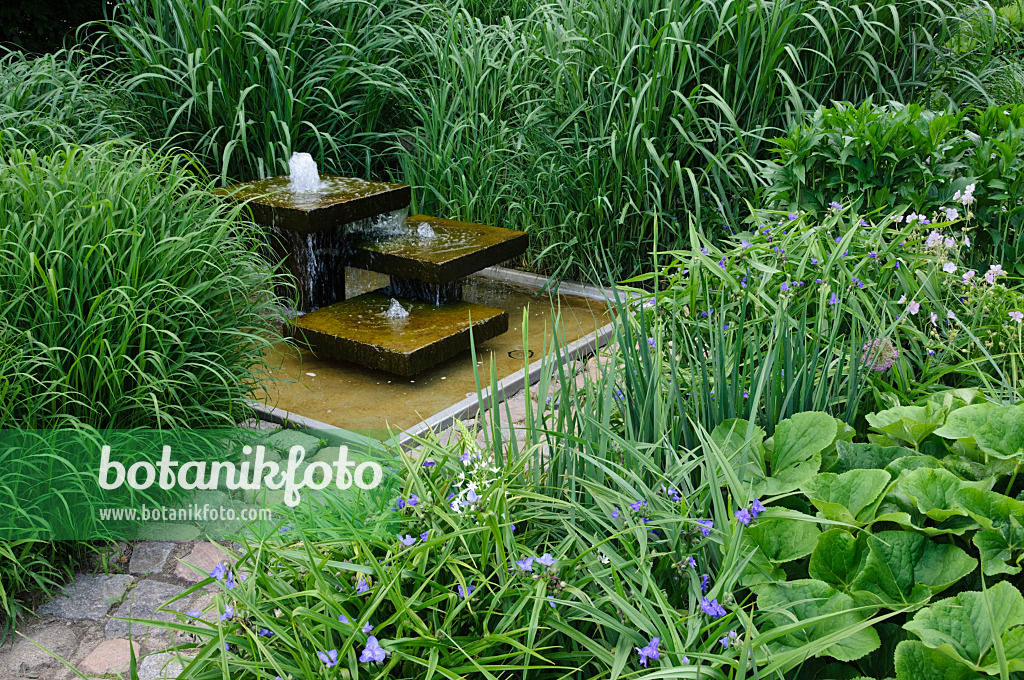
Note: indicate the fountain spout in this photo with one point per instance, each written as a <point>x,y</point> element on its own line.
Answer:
<point>305,179</point>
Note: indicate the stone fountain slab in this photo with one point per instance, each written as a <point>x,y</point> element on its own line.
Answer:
<point>457,250</point>
<point>340,201</point>
<point>356,330</point>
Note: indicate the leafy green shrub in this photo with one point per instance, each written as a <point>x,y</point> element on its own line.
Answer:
<point>886,156</point>
<point>132,297</point>
<point>59,99</point>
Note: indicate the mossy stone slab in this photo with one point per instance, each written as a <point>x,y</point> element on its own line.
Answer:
<point>357,330</point>
<point>457,250</point>
<point>340,201</point>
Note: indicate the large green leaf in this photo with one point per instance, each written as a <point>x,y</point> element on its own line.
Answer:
<point>851,497</point>
<point>1001,542</point>
<point>915,661</point>
<point>905,568</point>
<point>933,490</point>
<point>794,601</point>
<point>911,424</point>
<point>964,628</point>
<point>998,430</point>
<point>794,454</point>
<point>782,539</point>
<point>866,455</point>
<point>838,558</point>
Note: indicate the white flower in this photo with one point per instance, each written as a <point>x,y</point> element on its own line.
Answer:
<point>994,271</point>
<point>969,275</point>
<point>903,298</point>
<point>934,239</point>
<point>1017,316</point>
<point>967,240</point>
<point>950,314</point>
<point>952,214</point>
<point>949,268</point>
<point>949,243</point>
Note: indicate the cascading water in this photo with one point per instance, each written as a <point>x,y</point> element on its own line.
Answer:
<point>305,179</point>
<point>426,231</point>
<point>396,310</point>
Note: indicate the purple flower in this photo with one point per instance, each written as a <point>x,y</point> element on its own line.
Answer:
<point>547,560</point>
<point>229,580</point>
<point>784,288</point>
<point>745,244</point>
<point>513,528</point>
<point>265,632</point>
<point>361,587</point>
<point>705,581</point>
<point>330,657</point>
<point>551,601</point>
<point>413,501</point>
<point>691,562</point>
<point>873,254</point>
<point>218,571</point>
<point>229,612</point>
<point>464,592</point>
<point>193,613</point>
<point>814,260</point>
<point>373,651</point>
<point>743,515</point>
<point>1017,316</point>
<point>863,222</point>
<point>839,239</point>
<point>792,216</point>
<point>429,463</point>
<point>721,263</point>
<point>399,504</point>
<point>711,607</point>
<point>367,628</point>
<point>756,508</point>
<point>407,541</point>
<point>706,526</point>
<point>836,205</point>
<point>649,652</point>
<point>615,513</point>
<point>635,507</point>
<point>425,535</point>
<point>913,307</point>
<point>525,564</point>
<point>472,496</point>
<point>343,619</point>
<point>464,458</point>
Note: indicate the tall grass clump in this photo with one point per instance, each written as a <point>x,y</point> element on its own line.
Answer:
<point>244,83</point>
<point>585,123</point>
<point>65,97</point>
<point>131,296</point>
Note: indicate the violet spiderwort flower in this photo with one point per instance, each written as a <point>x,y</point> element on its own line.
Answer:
<point>950,314</point>
<point>968,275</point>
<point>722,264</point>
<point>472,496</point>
<point>756,508</point>
<point>814,260</point>
<point>551,601</point>
<point>949,268</point>
<point>706,525</point>
<point>711,607</point>
<point>229,612</point>
<point>513,528</point>
<point>229,581</point>
<point>952,214</point>
<point>329,658</point>
<point>343,619</point>
<point>705,581</point>
<point>784,288</point>
<point>743,515</point>
<point>399,504</point>
<point>547,560</point>
<point>839,239</point>
<point>615,513</point>
<point>690,561</point>
<point>792,216</point>
<point>949,242</point>
<point>425,535</point>
<point>863,222</point>
<point>361,587</point>
<point>745,244</point>
<point>933,318</point>
<point>913,307</point>
<point>836,205</point>
<point>704,250</point>
<point>635,507</point>
<point>407,541</point>
<point>873,254</point>
<point>218,571</point>
<point>265,632</point>
<point>367,628</point>
<point>373,652</point>
<point>649,652</point>
<point>429,463</point>
<point>1017,316</point>
<point>466,592</point>
<point>464,458</point>
<point>525,564</point>
<point>413,501</point>
<point>194,613</point>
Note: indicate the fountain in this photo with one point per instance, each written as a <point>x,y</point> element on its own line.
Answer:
<point>319,224</point>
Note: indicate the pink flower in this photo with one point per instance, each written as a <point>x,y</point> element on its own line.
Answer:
<point>969,275</point>
<point>1017,316</point>
<point>994,271</point>
<point>934,319</point>
<point>903,299</point>
<point>950,314</point>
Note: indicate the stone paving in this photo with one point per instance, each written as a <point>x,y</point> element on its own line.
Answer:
<point>82,629</point>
